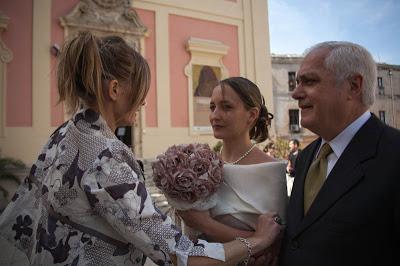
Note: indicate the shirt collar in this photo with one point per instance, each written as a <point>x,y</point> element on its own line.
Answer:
<point>340,142</point>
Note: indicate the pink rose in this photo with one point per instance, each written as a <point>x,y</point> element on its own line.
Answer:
<point>183,160</point>
<point>200,165</point>
<point>202,191</point>
<point>215,174</point>
<point>184,180</point>
<point>188,197</point>
<point>188,149</point>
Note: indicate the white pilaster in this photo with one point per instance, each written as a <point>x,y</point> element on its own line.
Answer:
<point>162,69</point>
<point>41,109</point>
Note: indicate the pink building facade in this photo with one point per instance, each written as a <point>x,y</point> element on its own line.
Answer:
<point>181,39</point>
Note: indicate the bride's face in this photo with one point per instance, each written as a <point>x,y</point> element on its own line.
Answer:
<point>228,116</point>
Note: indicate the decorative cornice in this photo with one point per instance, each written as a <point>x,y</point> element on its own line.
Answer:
<point>206,46</point>
<point>385,66</point>
<point>286,59</point>
<point>112,3</point>
<point>115,16</point>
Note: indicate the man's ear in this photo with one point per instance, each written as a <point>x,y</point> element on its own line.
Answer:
<point>356,82</point>
<point>113,89</point>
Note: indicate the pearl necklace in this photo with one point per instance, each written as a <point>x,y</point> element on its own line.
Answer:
<point>241,157</point>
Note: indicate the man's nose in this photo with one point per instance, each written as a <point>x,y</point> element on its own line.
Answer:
<point>297,92</point>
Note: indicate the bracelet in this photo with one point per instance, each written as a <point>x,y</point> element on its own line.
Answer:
<point>248,246</point>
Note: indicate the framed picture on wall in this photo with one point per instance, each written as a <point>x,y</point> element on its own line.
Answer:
<point>205,78</point>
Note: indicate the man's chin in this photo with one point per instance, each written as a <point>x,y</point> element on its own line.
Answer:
<point>305,123</point>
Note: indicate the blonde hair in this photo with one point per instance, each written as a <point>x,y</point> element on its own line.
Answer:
<point>87,62</point>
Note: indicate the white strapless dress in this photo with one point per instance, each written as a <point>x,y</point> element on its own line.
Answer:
<point>251,190</point>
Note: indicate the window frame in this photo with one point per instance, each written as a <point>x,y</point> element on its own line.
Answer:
<point>294,126</point>
<point>204,53</point>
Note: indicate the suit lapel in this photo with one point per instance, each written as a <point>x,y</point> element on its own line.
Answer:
<point>296,206</point>
<point>346,173</point>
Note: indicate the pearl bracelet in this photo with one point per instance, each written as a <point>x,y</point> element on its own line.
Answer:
<point>248,246</point>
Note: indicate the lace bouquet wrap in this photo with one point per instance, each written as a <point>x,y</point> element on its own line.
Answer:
<point>189,175</point>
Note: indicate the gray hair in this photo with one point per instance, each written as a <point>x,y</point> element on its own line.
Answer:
<point>346,59</point>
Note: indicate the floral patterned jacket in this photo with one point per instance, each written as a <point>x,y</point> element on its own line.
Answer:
<point>85,203</point>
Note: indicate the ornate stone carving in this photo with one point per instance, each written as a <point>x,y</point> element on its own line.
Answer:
<point>104,16</point>
<point>6,54</point>
<point>112,3</point>
<point>3,22</point>
<point>5,57</point>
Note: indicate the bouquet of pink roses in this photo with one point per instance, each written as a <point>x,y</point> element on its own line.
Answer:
<point>189,175</point>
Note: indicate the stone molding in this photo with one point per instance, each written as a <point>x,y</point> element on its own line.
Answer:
<point>206,52</point>
<point>104,16</point>
<point>6,54</point>
<point>207,46</point>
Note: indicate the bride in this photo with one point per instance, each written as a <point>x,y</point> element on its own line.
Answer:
<point>254,183</point>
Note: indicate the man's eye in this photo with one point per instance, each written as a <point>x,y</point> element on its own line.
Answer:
<point>310,81</point>
<point>212,107</point>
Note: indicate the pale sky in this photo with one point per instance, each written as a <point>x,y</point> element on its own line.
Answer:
<point>298,24</point>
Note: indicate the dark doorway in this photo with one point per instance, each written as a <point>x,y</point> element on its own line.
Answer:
<point>124,134</point>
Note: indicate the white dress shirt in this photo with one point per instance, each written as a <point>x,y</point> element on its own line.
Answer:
<point>340,142</point>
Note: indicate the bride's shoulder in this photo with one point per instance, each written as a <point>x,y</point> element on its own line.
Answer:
<point>260,168</point>
<point>261,157</point>
<point>258,159</point>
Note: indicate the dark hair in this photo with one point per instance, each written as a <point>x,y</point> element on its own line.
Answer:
<point>86,61</point>
<point>295,141</point>
<point>269,146</point>
<point>251,96</point>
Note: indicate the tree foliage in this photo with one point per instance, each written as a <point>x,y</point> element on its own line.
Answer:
<point>7,165</point>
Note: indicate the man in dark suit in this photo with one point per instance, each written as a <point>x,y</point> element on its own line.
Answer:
<point>352,216</point>
<point>294,149</point>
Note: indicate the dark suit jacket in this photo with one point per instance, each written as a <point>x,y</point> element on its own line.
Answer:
<point>292,160</point>
<point>355,218</point>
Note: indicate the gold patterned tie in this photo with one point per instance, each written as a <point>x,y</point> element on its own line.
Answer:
<point>316,176</point>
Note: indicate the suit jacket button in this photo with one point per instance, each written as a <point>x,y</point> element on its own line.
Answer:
<point>294,244</point>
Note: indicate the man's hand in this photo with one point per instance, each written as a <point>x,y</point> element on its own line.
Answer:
<point>266,258</point>
<point>270,255</point>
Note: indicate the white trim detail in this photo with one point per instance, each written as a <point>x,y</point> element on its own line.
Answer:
<point>6,56</point>
<point>203,52</point>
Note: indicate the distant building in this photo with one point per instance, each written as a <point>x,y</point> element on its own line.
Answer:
<point>287,113</point>
<point>387,103</point>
